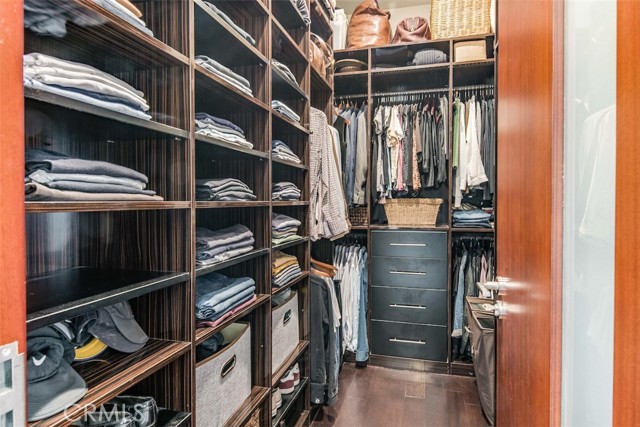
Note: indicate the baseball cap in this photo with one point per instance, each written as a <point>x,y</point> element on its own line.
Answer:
<point>117,327</point>
<point>93,348</point>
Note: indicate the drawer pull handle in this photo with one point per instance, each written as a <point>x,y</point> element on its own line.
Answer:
<point>413,245</point>
<point>287,317</point>
<point>409,273</point>
<point>417,307</point>
<point>418,342</point>
<point>228,366</point>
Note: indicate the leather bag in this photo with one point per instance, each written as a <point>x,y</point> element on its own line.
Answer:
<point>412,30</point>
<point>369,26</point>
<point>320,54</point>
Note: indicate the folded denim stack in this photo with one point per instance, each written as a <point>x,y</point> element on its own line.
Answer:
<point>83,83</point>
<point>301,5</point>
<point>284,229</point>
<point>472,219</point>
<point>283,109</point>
<point>48,18</point>
<point>221,129</point>
<point>285,71</point>
<point>216,295</point>
<point>282,151</point>
<point>220,245</point>
<point>285,191</point>
<point>223,190</point>
<point>52,176</point>
<point>232,24</point>
<point>284,268</point>
<point>234,79</point>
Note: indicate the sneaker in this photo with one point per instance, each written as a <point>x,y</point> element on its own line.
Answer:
<point>286,384</point>
<point>296,374</point>
<point>276,401</point>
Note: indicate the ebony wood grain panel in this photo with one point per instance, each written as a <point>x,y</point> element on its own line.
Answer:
<point>168,20</point>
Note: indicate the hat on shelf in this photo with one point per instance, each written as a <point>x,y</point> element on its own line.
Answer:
<point>117,327</point>
<point>349,65</point>
<point>429,56</point>
<point>91,349</point>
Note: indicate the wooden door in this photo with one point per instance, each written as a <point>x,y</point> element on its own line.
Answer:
<point>529,211</point>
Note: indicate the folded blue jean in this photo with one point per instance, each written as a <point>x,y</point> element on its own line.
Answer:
<point>236,304</point>
<point>476,214</point>
<point>207,239</point>
<point>214,288</point>
<point>210,312</point>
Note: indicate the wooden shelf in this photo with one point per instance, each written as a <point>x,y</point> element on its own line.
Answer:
<point>284,46</point>
<point>276,291</point>
<point>106,206</point>
<point>318,81</point>
<point>289,163</point>
<point>410,227</point>
<point>116,372</point>
<point>288,123</point>
<point>473,230</point>
<point>287,14</point>
<point>231,147</point>
<point>288,400</point>
<point>173,418</point>
<point>320,21</point>
<point>68,293</point>
<point>409,69</point>
<point>283,89</point>
<point>290,244</point>
<point>302,419</point>
<point>488,61</point>
<point>359,227</point>
<point>201,270</point>
<point>249,406</point>
<point>57,102</point>
<point>238,204</point>
<point>203,334</point>
<point>217,87</point>
<point>290,203</point>
<point>295,355</point>
<point>351,74</point>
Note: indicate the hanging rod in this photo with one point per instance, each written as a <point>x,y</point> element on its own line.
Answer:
<point>356,95</point>
<point>411,92</point>
<point>473,87</point>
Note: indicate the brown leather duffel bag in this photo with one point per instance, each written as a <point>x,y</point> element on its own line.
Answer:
<point>369,26</point>
<point>412,30</point>
<point>320,54</point>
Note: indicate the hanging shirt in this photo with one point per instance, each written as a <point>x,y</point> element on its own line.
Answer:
<point>360,175</point>
<point>339,26</point>
<point>461,172</point>
<point>475,169</point>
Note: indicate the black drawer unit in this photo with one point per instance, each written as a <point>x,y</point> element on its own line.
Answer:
<point>409,243</point>
<point>410,340</point>
<point>424,273</point>
<point>424,306</point>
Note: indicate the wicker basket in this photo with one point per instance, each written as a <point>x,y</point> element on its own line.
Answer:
<point>472,50</point>
<point>358,216</point>
<point>254,421</point>
<point>458,18</point>
<point>412,211</point>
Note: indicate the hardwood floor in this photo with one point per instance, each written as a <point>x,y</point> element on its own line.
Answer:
<point>381,397</point>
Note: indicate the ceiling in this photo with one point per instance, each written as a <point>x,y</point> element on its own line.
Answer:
<point>350,5</point>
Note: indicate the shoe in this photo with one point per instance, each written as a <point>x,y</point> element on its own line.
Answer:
<point>276,401</point>
<point>286,384</point>
<point>296,374</point>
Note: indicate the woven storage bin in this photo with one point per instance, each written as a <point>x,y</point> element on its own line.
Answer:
<point>285,332</point>
<point>472,50</point>
<point>458,18</point>
<point>358,216</point>
<point>254,421</point>
<point>412,211</point>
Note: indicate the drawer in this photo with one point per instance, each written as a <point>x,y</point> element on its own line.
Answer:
<point>422,273</point>
<point>411,244</point>
<point>409,305</point>
<point>409,340</point>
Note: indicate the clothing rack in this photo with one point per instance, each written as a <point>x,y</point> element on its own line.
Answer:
<point>489,88</point>
<point>411,92</point>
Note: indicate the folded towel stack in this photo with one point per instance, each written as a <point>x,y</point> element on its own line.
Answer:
<point>284,229</point>
<point>223,190</point>
<point>220,245</point>
<point>52,176</point>
<point>234,79</point>
<point>221,129</point>
<point>285,191</point>
<point>232,24</point>
<point>83,83</point>
<point>283,109</point>
<point>284,268</point>
<point>216,295</point>
<point>282,151</point>
<point>285,71</point>
<point>472,219</point>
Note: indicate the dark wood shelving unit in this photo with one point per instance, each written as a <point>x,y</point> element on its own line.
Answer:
<point>53,207</point>
<point>282,121</point>
<point>239,204</point>
<point>217,87</point>
<point>283,88</point>
<point>288,400</point>
<point>253,402</point>
<point>289,163</point>
<point>200,270</point>
<point>276,291</point>
<point>289,361</point>
<point>303,419</point>
<point>286,13</point>
<point>231,148</point>
<point>285,46</point>
<point>289,203</point>
<point>297,242</point>
<point>473,230</point>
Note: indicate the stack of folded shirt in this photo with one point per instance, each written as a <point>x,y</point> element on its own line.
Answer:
<point>52,176</point>
<point>285,71</point>
<point>46,17</point>
<point>221,129</point>
<point>301,5</point>
<point>220,245</point>
<point>283,109</point>
<point>282,151</point>
<point>229,21</point>
<point>472,219</point>
<point>284,229</point>
<point>225,74</point>
<point>285,191</point>
<point>223,190</point>
<point>284,268</point>
<point>83,83</point>
<point>216,295</point>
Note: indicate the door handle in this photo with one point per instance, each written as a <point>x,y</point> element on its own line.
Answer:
<point>500,310</point>
<point>418,342</point>
<point>408,273</point>
<point>499,285</point>
<point>417,307</point>
<point>413,245</point>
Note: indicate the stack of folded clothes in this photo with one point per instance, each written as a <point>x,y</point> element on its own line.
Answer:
<point>282,151</point>
<point>301,5</point>
<point>285,191</point>
<point>218,295</point>
<point>284,229</point>
<point>83,83</point>
<point>285,71</point>
<point>223,190</point>
<point>283,109</point>
<point>221,129</point>
<point>472,219</point>
<point>284,268</point>
<point>46,17</point>
<point>52,176</point>
<point>225,74</point>
<point>232,24</point>
<point>220,245</point>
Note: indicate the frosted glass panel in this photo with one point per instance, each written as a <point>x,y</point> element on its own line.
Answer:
<point>589,212</point>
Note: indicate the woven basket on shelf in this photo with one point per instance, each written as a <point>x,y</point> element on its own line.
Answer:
<point>412,211</point>
<point>458,18</point>
<point>472,50</point>
<point>358,216</point>
<point>254,421</point>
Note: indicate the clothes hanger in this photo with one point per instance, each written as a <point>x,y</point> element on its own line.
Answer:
<point>320,273</point>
